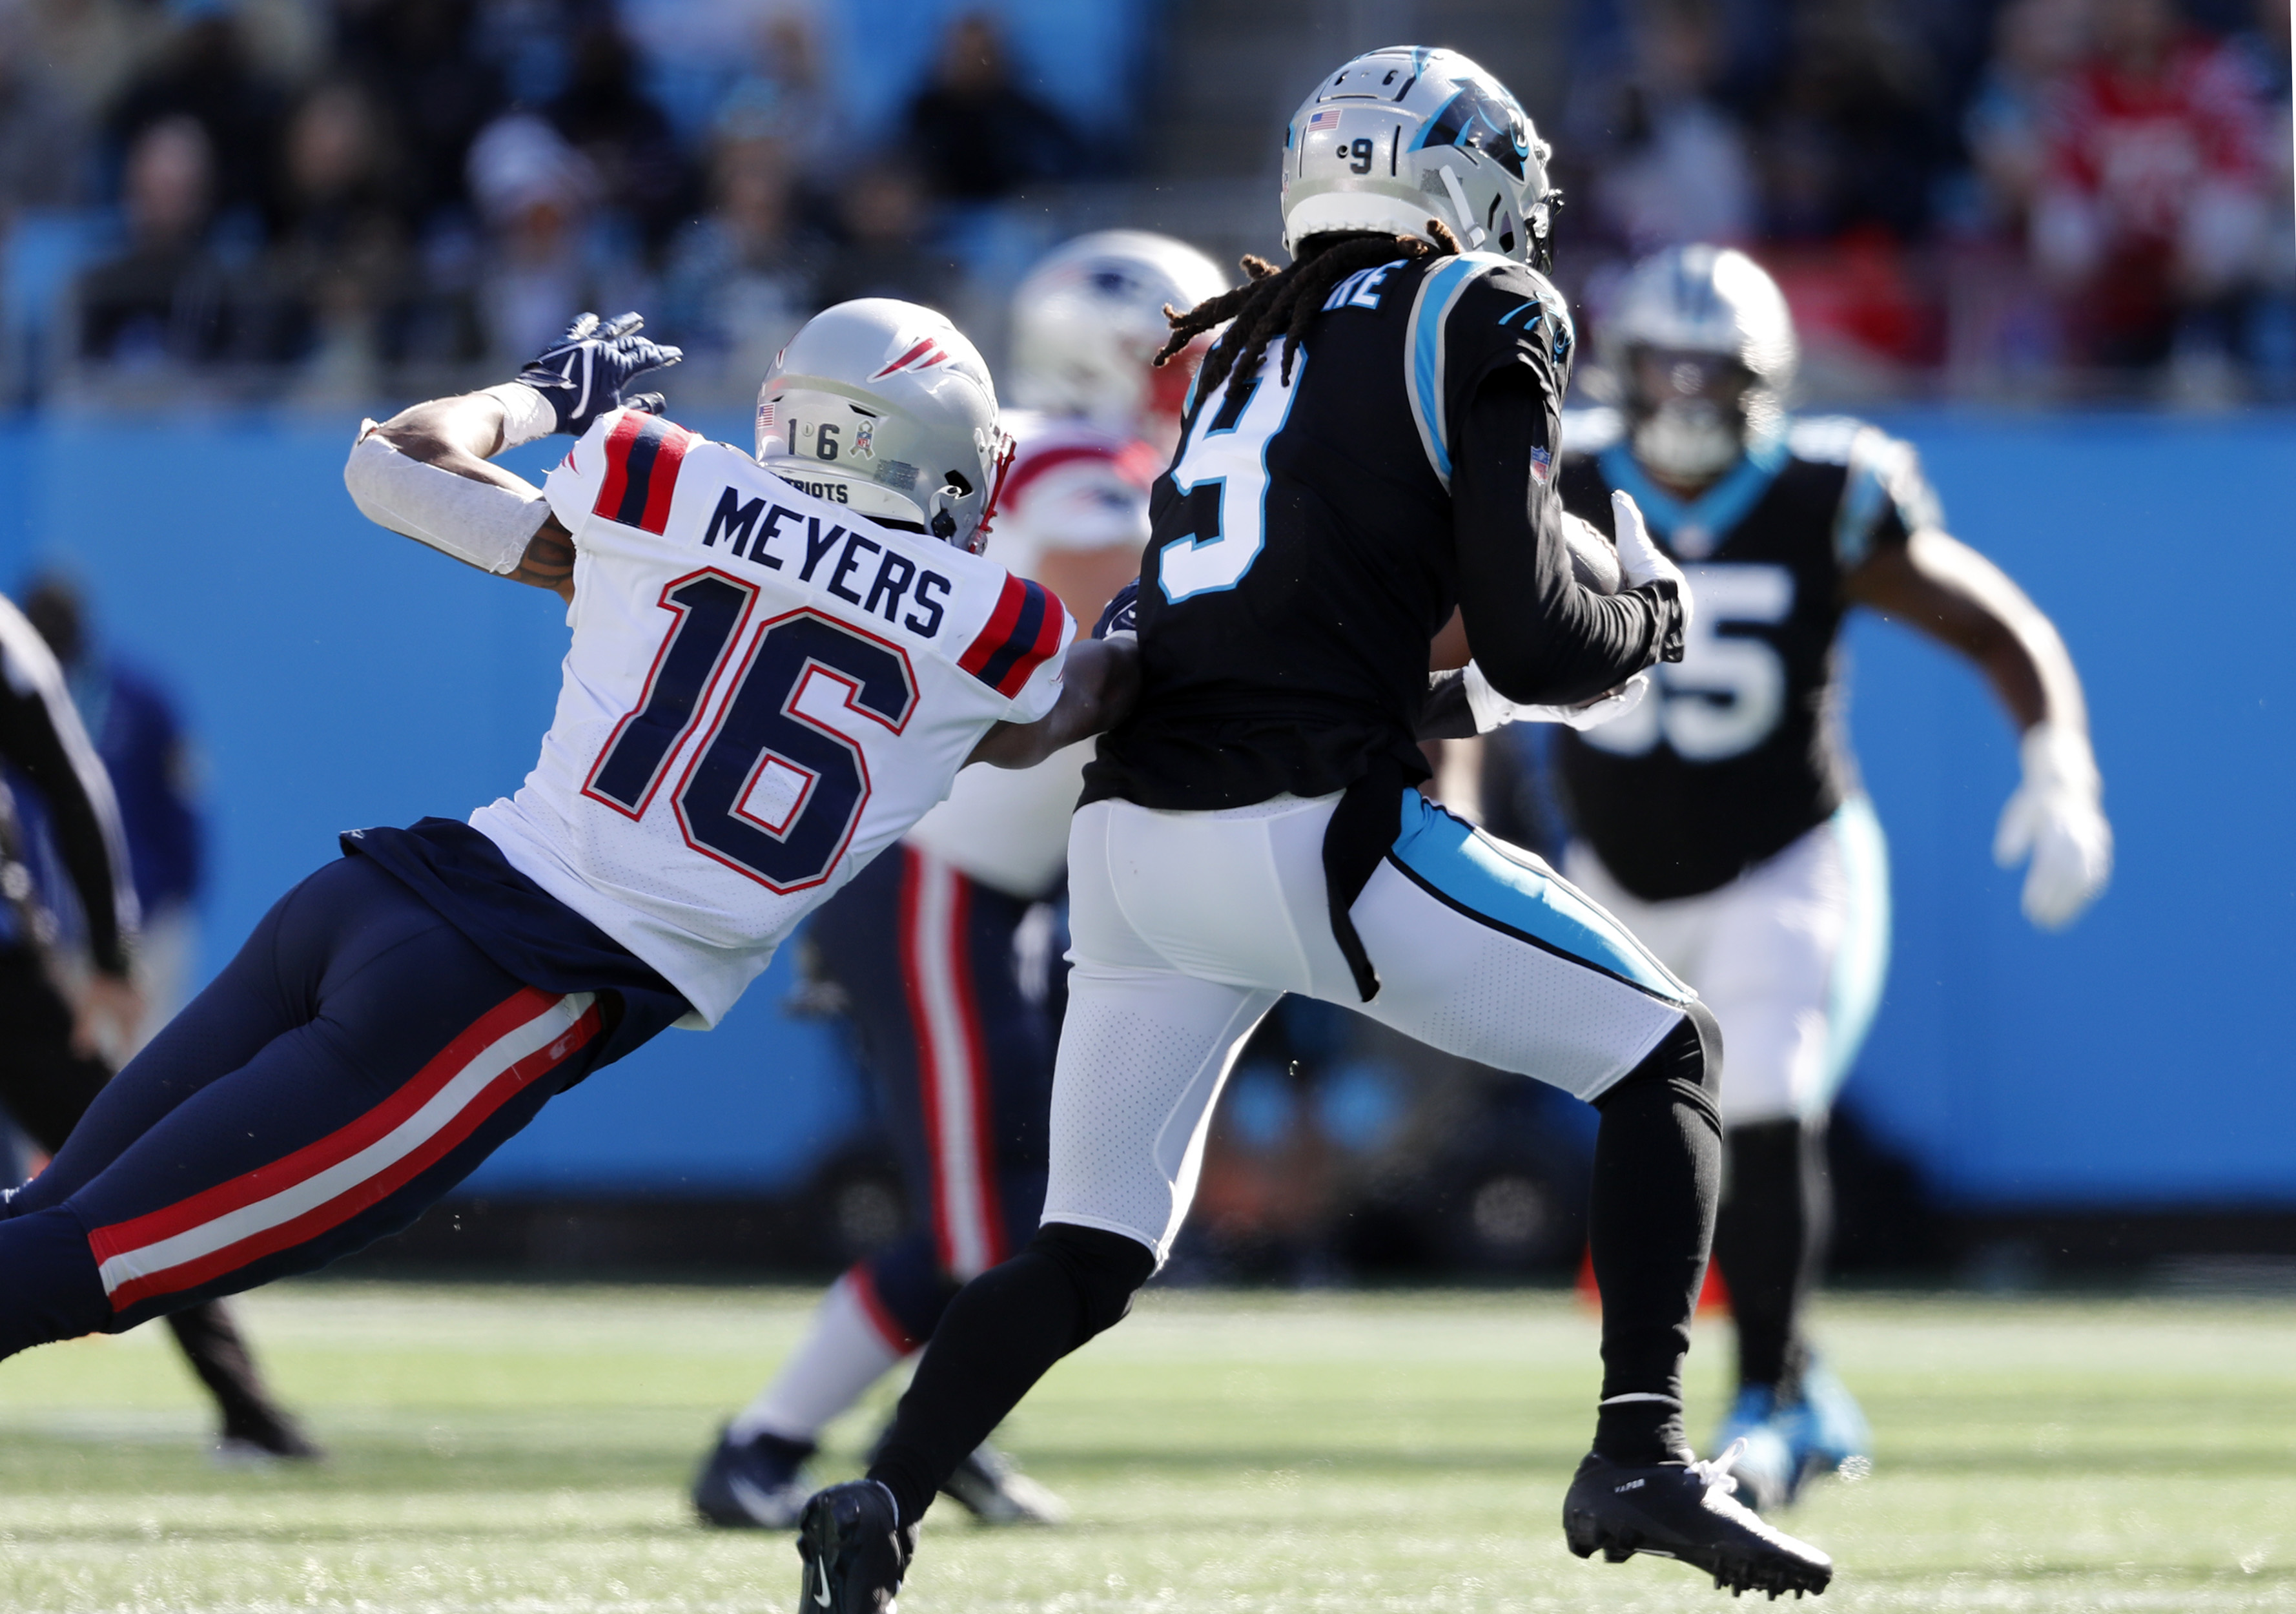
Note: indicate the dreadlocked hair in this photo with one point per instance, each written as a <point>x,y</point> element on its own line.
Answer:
<point>1283,302</point>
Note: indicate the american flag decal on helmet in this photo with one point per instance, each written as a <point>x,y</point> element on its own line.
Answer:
<point>1328,119</point>
<point>925,354</point>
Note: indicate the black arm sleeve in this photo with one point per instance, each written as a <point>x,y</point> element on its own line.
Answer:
<point>1538,635</point>
<point>41,736</point>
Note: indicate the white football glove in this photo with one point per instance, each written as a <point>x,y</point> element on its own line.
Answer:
<point>2055,818</point>
<point>1639,559</point>
<point>1493,710</point>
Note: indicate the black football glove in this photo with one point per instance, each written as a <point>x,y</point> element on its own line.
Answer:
<point>582,377</point>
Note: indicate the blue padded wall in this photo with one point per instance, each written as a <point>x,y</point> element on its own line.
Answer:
<point>339,676</point>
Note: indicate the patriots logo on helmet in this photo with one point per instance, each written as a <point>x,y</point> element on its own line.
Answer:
<point>921,355</point>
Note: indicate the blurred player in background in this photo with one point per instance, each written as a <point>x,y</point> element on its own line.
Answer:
<point>1369,445</point>
<point>56,1054</point>
<point>140,736</point>
<point>955,1017</point>
<point>1723,820</point>
<point>777,664</point>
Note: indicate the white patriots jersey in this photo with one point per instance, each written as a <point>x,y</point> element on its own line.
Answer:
<point>764,691</point>
<point>1072,487</point>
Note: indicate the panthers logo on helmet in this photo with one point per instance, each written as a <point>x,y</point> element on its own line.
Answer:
<point>1399,133</point>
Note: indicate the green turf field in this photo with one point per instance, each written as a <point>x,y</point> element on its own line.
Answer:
<point>526,1450</point>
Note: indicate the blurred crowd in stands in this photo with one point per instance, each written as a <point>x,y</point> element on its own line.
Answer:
<point>341,197</point>
<point>332,201</point>
<point>2041,198</point>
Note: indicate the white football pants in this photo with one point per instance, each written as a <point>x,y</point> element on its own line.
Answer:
<point>1790,956</point>
<point>1187,927</point>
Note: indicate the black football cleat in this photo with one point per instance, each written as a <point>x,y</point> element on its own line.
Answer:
<point>855,1549</point>
<point>1687,1511</point>
<point>991,1487</point>
<point>259,1442</point>
<point>257,1434</point>
<point>758,1484</point>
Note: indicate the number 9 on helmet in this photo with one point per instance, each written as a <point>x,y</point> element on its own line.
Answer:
<point>1402,134</point>
<point>883,406</point>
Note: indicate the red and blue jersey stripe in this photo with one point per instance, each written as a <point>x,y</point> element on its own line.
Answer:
<point>1023,632</point>
<point>643,453</point>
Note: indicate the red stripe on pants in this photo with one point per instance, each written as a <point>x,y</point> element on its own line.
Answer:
<point>952,1064</point>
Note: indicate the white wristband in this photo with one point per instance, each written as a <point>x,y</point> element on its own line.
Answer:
<point>2055,754</point>
<point>478,521</point>
<point>527,415</point>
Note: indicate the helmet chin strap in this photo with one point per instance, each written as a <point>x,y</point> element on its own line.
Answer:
<point>1006,447</point>
<point>1474,232</point>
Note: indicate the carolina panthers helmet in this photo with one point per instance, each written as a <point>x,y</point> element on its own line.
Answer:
<point>1401,135</point>
<point>1088,319</point>
<point>884,405</point>
<point>1699,348</point>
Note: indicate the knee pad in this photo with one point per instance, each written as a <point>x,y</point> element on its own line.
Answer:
<point>1688,1060</point>
<point>1105,1268</point>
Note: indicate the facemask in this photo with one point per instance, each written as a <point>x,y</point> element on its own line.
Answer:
<point>1686,438</point>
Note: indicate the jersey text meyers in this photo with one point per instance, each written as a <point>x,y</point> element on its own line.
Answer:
<point>764,691</point>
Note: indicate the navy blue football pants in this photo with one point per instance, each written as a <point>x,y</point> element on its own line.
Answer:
<point>961,1062</point>
<point>356,1060</point>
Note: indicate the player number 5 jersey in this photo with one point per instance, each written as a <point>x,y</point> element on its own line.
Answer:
<point>764,691</point>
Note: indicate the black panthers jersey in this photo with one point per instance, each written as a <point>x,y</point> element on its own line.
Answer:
<point>1741,748</point>
<point>1303,555</point>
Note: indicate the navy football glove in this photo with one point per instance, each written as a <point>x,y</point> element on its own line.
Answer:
<point>1120,619</point>
<point>582,377</point>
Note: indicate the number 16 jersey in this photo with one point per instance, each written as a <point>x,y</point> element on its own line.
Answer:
<point>764,691</point>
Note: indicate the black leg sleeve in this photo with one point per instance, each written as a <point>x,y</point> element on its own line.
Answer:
<point>44,1085</point>
<point>1001,1334</point>
<point>1658,1167</point>
<point>1770,1243</point>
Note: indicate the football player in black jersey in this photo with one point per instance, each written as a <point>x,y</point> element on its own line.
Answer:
<point>1723,820</point>
<point>1371,444</point>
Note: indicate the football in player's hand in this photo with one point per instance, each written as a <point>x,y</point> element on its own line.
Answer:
<point>1594,559</point>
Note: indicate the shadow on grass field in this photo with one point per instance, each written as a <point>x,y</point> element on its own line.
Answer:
<point>526,1449</point>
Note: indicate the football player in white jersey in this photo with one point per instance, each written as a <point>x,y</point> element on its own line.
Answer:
<point>954,1017</point>
<point>777,664</point>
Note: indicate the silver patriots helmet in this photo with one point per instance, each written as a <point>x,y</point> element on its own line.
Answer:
<point>1405,134</point>
<point>885,407</point>
<point>1090,318</point>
